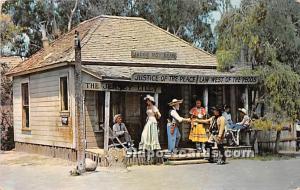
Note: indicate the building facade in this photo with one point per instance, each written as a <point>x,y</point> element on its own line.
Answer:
<point>123,59</point>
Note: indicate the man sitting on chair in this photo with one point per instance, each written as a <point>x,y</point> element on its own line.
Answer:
<point>244,123</point>
<point>120,130</point>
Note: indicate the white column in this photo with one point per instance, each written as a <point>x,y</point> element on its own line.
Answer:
<point>156,99</point>
<point>233,103</point>
<point>205,98</point>
<point>224,95</point>
<point>106,119</point>
<point>246,103</point>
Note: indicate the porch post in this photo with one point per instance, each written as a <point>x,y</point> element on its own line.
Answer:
<point>233,103</point>
<point>106,119</point>
<point>79,124</point>
<point>224,95</point>
<point>205,98</point>
<point>246,103</point>
<point>156,99</point>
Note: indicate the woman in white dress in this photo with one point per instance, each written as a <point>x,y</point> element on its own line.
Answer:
<point>149,138</point>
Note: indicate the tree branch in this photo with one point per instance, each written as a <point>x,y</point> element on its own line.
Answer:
<point>71,15</point>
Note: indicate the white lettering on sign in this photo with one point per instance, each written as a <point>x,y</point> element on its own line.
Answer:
<point>126,87</point>
<point>193,79</point>
<point>153,55</point>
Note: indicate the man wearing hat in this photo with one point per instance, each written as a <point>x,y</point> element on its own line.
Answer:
<point>217,131</point>
<point>120,130</point>
<point>245,121</point>
<point>173,124</point>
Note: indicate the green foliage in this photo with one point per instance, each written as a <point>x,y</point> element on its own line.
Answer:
<point>187,19</point>
<point>7,29</point>
<point>28,14</point>
<point>265,124</point>
<point>6,85</point>
<point>265,34</point>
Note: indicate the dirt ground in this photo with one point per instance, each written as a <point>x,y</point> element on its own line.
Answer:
<point>22,171</point>
<point>10,158</point>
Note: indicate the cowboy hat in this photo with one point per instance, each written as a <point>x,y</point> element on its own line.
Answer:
<point>174,102</point>
<point>243,110</point>
<point>149,97</point>
<point>116,117</point>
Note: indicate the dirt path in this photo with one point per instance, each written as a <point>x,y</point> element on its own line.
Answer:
<point>37,172</point>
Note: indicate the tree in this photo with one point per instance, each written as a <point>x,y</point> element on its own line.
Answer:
<point>8,32</point>
<point>188,19</point>
<point>6,124</point>
<point>265,35</point>
<point>28,15</point>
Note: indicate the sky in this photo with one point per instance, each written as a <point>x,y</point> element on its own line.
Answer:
<point>216,15</point>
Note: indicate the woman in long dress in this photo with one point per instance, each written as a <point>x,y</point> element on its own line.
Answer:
<point>149,138</point>
<point>198,132</point>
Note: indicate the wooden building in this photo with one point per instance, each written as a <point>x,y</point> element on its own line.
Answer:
<point>123,59</point>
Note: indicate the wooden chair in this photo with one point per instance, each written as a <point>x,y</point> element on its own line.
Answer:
<point>115,141</point>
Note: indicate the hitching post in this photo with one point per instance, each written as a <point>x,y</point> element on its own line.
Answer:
<point>79,127</point>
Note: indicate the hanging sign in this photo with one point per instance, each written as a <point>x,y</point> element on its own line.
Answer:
<point>192,79</point>
<point>126,87</point>
<point>154,55</point>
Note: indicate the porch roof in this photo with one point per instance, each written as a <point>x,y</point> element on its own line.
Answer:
<point>168,75</point>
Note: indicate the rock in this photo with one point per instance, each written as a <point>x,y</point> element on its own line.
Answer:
<point>90,165</point>
<point>74,172</point>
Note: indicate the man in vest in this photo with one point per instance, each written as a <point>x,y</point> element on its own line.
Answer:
<point>173,125</point>
<point>216,134</point>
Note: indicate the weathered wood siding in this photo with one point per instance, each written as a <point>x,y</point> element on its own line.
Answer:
<point>44,108</point>
<point>266,139</point>
<point>94,133</point>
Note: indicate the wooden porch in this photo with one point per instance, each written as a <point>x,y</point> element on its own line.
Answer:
<point>184,156</point>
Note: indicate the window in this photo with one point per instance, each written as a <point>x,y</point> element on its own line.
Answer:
<point>64,103</point>
<point>25,106</point>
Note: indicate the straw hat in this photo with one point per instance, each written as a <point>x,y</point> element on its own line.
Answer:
<point>116,117</point>
<point>149,97</point>
<point>243,110</point>
<point>174,102</point>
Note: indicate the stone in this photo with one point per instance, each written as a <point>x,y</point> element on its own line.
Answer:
<point>90,165</point>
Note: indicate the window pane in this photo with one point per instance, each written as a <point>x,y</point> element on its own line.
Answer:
<point>26,109</point>
<point>64,93</point>
<point>25,94</point>
<point>25,105</point>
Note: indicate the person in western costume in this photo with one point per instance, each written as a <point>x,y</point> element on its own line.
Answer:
<point>216,134</point>
<point>198,131</point>
<point>149,138</point>
<point>174,119</point>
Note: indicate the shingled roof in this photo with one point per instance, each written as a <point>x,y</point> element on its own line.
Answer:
<point>110,40</point>
<point>11,61</point>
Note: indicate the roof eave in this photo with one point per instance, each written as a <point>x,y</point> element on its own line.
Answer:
<point>164,65</point>
<point>39,69</point>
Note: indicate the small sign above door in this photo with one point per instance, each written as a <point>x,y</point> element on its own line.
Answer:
<point>126,87</point>
<point>153,55</point>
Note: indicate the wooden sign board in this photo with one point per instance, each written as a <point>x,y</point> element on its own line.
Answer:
<point>128,87</point>
<point>192,79</point>
<point>154,55</point>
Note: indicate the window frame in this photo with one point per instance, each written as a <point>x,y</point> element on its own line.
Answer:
<point>24,126</point>
<point>60,94</point>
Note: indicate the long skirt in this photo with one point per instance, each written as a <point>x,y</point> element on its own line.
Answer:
<point>149,138</point>
<point>198,133</point>
<point>173,139</point>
